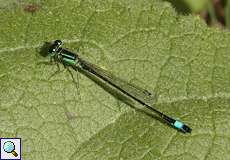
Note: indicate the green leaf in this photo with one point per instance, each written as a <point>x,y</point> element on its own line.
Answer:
<point>144,42</point>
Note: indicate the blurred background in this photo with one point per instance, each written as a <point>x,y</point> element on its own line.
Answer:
<point>214,12</point>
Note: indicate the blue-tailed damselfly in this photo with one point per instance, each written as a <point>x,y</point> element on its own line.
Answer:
<point>139,95</point>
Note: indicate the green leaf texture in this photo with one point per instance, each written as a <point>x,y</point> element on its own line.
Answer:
<point>143,41</point>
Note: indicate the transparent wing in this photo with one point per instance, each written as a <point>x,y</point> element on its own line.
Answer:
<point>133,90</point>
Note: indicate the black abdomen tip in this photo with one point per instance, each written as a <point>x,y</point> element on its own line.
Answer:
<point>187,129</point>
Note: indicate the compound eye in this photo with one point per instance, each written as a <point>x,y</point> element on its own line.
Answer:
<point>58,42</point>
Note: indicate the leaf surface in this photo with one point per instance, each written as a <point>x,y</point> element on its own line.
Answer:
<point>145,42</point>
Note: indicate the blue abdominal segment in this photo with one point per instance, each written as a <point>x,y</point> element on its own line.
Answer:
<point>181,126</point>
<point>178,124</point>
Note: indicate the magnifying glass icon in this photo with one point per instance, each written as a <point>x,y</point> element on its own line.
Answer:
<point>9,147</point>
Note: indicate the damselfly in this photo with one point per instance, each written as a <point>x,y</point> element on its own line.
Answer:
<point>137,94</point>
